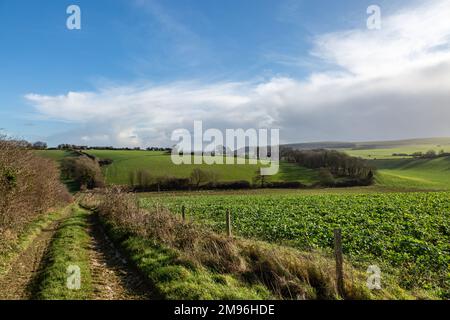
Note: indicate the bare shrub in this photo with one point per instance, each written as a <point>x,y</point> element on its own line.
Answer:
<point>199,177</point>
<point>29,185</point>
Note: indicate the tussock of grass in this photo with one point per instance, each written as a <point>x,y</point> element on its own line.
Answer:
<point>69,247</point>
<point>186,261</point>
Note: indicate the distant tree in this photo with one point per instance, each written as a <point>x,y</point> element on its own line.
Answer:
<point>430,154</point>
<point>325,177</point>
<point>199,176</point>
<point>39,145</point>
<point>338,163</point>
<point>259,179</point>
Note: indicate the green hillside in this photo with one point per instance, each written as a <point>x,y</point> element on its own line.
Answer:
<point>160,164</point>
<point>388,153</point>
<point>381,149</point>
<point>414,173</point>
<point>394,172</point>
<point>57,155</point>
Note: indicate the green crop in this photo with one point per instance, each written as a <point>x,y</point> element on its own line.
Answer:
<point>407,233</point>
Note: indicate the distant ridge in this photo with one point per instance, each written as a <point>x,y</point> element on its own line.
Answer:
<point>369,144</point>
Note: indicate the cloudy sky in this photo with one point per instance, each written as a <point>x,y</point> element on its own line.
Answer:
<point>137,70</point>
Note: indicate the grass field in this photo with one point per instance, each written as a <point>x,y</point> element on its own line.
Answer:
<point>398,173</point>
<point>387,153</point>
<point>160,164</point>
<point>432,174</point>
<point>386,149</point>
<point>406,233</point>
<point>57,155</point>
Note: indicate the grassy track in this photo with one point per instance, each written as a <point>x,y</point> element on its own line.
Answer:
<point>68,248</point>
<point>14,248</point>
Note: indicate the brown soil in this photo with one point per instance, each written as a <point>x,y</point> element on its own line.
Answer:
<point>112,277</point>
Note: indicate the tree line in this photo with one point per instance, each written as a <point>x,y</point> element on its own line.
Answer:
<point>332,165</point>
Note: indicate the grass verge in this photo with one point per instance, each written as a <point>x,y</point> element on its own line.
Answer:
<point>175,278</point>
<point>68,249</point>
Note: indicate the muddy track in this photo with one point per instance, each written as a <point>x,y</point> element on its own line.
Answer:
<point>112,277</point>
<point>19,282</point>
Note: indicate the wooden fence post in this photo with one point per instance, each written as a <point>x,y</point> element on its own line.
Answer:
<point>339,262</point>
<point>229,233</point>
<point>183,213</point>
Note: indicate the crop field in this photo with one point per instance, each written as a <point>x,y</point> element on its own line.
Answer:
<point>407,233</point>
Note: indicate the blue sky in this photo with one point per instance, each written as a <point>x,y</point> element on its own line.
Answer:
<point>201,49</point>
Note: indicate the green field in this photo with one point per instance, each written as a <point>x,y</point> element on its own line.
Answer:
<point>394,172</point>
<point>386,149</point>
<point>407,233</point>
<point>420,174</point>
<point>387,153</point>
<point>430,174</point>
<point>57,155</point>
<point>160,164</point>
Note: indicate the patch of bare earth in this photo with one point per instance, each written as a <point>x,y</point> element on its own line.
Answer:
<point>18,283</point>
<point>112,277</point>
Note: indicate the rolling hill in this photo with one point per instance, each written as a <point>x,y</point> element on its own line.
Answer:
<point>380,149</point>
<point>430,174</point>
<point>397,172</point>
<point>160,164</point>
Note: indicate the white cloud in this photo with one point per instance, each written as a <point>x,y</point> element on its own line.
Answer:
<point>388,83</point>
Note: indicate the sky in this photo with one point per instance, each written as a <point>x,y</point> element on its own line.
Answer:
<point>139,69</point>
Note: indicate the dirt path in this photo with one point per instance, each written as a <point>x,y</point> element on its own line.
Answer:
<point>112,277</point>
<point>18,283</point>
